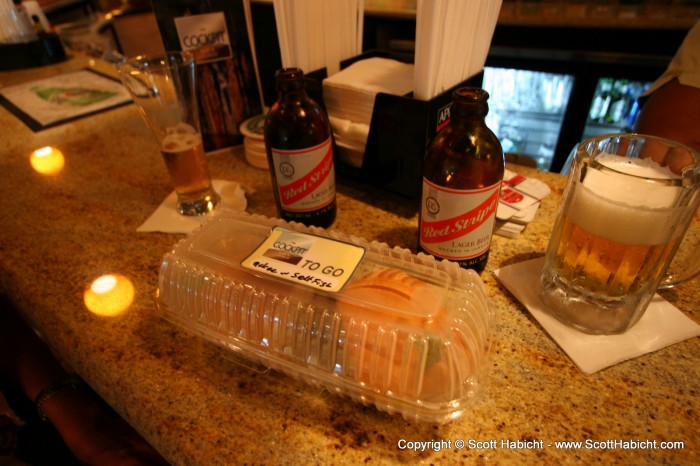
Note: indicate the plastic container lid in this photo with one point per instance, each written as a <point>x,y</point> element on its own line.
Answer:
<point>404,332</point>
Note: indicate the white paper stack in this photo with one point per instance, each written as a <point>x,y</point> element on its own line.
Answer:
<point>350,140</point>
<point>452,41</point>
<point>349,94</point>
<point>349,98</point>
<point>314,34</point>
<point>518,204</point>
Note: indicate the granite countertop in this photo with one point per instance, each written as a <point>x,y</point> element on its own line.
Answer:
<point>198,407</point>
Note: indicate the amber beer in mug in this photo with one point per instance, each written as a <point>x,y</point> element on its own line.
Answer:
<point>183,153</point>
<point>628,202</point>
<point>163,88</point>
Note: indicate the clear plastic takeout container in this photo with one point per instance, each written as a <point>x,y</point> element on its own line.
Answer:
<point>406,333</point>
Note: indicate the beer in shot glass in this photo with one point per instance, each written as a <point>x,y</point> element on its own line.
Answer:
<point>163,88</point>
<point>628,202</point>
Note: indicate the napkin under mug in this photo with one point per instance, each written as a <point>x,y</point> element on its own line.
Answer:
<point>661,325</point>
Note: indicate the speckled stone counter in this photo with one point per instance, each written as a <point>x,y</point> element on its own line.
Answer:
<point>58,233</point>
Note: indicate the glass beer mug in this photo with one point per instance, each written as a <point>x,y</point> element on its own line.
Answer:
<point>628,202</point>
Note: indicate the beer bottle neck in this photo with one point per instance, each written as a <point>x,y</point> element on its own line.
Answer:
<point>470,114</point>
<point>290,84</point>
<point>470,104</point>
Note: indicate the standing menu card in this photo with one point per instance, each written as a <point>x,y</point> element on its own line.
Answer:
<point>215,31</point>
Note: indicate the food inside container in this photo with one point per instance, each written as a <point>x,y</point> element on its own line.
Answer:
<point>403,332</point>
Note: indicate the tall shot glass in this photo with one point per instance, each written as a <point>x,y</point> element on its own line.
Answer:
<point>627,205</point>
<point>163,88</point>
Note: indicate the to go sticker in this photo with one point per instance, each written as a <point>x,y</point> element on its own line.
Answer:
<point>310,260</point>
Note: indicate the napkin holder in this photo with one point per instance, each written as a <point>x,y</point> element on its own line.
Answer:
<point>400,130</point>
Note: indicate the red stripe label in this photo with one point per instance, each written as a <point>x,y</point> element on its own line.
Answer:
<point>456,227</point>
<point>305,178</point>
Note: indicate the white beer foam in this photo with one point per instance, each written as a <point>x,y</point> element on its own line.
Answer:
<point>623,208</point>
<point>181,137</point>
<point>634,190</point>
<point>634,166</point>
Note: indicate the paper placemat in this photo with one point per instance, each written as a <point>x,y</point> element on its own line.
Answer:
<point>166,219</point>
<point>662,324</point>
<point>49,102</point>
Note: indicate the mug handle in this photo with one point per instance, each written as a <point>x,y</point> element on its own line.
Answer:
<point>686,262</point>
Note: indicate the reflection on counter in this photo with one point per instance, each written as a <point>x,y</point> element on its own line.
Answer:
<point>47,161</point>
<point>109,295</point>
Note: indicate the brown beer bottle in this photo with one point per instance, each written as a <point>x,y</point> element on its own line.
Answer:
<point>462,174</point>
<point>300,153</point>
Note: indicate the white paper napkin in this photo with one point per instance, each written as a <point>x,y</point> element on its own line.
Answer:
<point>350,93</point>
<point>314,34</point>
<point>166,218</point>
<point>662,324</point>
<point>452,42</point>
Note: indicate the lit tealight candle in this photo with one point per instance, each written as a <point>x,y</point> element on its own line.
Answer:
<point>109,295</point>
<point>47,160</point>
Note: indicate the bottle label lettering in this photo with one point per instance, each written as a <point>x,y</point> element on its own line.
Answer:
<point>457,224</point>
<point>205,36</point>
<point>305,177</point>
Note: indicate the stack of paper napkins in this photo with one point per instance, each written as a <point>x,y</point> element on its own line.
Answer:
<point>350,139</point>
<point>315,34</point>
<point>452,42</point>
<point>520,199</point>
<point>349,99</point>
